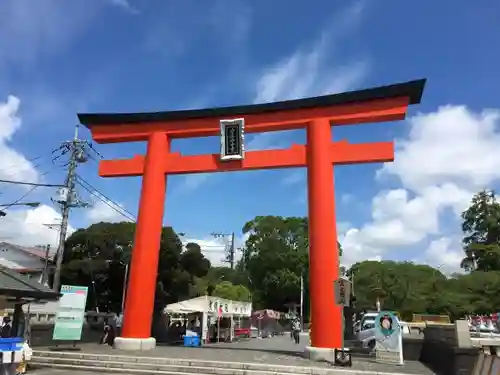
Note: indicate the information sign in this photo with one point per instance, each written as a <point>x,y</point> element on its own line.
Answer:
<point>70,313</point>
<point>389,338</point>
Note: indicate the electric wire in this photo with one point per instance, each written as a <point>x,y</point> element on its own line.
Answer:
<point>20,199</point>
<point>4,209</point>
<point>15,165</point>
<point>81,181</point>
<point>111,204</point>
<point>120,210</point>
<point>29,183</point>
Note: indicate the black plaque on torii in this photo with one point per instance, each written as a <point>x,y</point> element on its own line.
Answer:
<point>232,139</point>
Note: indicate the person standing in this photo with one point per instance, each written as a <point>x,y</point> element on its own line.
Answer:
<point>108,334</point>
<point>5,332</point>
<point>119,322</point>
<point>296,330</point>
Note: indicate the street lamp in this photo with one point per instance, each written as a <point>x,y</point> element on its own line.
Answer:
<point>27,204</point>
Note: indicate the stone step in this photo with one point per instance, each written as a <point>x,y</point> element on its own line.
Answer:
<point>162,368</point>
<point>110,370</point>
<point>167,366</point>
<point>125,361</point>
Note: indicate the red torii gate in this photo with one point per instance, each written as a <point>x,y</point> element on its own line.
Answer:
<point>317,115</point>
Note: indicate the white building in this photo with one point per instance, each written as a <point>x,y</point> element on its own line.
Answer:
<point>29,261</point>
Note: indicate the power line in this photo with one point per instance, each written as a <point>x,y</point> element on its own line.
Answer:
<point>15,165</point>
<point>103,198</point>
<point>30,183</point>
<point>21,198</point>
<point>114,206</point>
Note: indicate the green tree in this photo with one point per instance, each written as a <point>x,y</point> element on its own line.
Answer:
<point>401,286</point>
<point>481,227</point>
<point>275,256</point>
<point>96,257</point>
<point>474,293</point>
<point>227,290</point>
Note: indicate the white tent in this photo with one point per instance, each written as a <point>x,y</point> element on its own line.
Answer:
<point>195,305</point>
<point>212,306</point>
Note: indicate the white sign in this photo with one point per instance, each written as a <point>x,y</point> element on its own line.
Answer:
<point>389,339</point>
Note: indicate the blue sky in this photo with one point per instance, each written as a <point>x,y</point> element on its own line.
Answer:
<point>59,58</point>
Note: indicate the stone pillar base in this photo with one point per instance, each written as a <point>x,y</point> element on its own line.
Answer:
<point>319,354</point>
<point>130,344</point>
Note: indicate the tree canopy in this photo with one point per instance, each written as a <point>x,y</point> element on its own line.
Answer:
<point>275,258</point>
<point>481,227</point>
<point>96,256</point>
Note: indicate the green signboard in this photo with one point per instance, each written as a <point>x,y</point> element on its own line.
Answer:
<point>70,313</point>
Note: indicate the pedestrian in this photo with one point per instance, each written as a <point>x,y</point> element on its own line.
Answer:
<point>6,328</point>
<point>119,322</point>
<point>108,334</point>
<point>296,330</point>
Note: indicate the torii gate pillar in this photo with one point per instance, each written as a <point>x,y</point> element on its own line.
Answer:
<point>323,248</point>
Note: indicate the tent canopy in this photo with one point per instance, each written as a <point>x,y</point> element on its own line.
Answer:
<point>211,306</point>
<point>189,306</point>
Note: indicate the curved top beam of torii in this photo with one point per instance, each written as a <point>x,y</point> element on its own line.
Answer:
<point>385,103</point>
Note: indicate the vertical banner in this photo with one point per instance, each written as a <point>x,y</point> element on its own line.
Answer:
<point>70,313</point>
<point>342,287</point>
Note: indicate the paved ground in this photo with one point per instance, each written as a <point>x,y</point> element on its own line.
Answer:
<point>279,350</point>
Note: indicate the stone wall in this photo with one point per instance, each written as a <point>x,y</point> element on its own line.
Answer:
<point>41,335</point>
<point>442,353</point>
<point>42,327</point>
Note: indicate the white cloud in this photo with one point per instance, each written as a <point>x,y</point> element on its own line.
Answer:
<point>294,177</point>
<point>107,211</point>
<point>309,72</point>
<point>445,253</point>
<point>306,72</point>
<point>312,71</point>
<point>452,144</point>
<point>31,227</point>
<point>13,165</point>
<point>22,226</point>
<point>448,155</point>
<point>40,28</point>
<point>214,248</point>
<point>125,5</point>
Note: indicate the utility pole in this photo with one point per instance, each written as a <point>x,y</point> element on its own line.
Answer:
<point>230,248</point>
<point>67,196</point>
<point>231,252</point>
<point>43,276</point>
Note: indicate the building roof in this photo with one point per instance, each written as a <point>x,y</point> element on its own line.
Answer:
<point>412,89</point>
<point>34,251</point>
<point>15,285</point>
<point>19,267</point>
